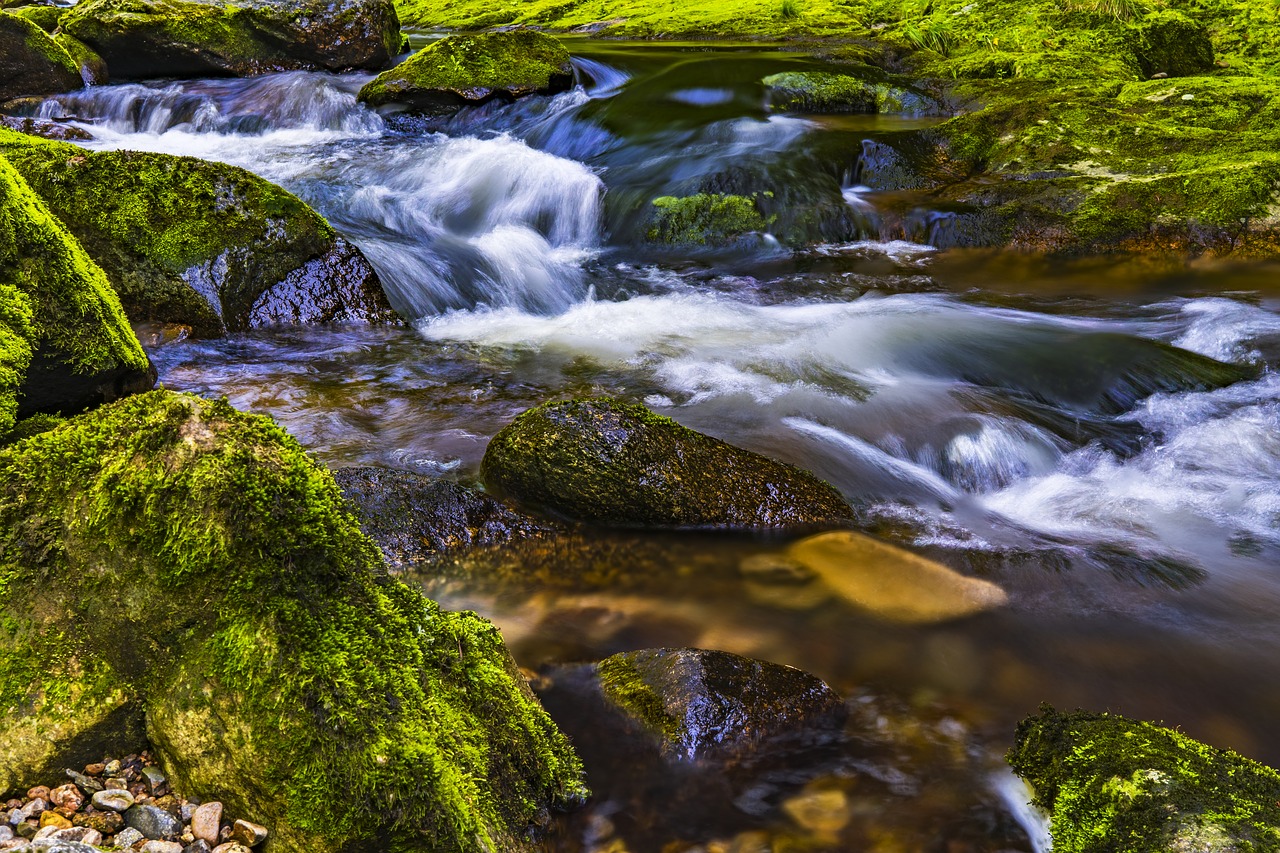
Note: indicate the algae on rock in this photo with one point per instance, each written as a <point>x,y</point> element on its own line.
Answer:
<point>470,69</point>
<point>191,558</point>
<point>1114,785</point>
<point>203,244</point>
<point>705,219</point>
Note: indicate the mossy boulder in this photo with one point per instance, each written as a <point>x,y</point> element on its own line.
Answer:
<point>192,38</point>
<point>31,62</point>
<point>705,219</point>
<point>617,463</point>
<point>199,243</point>
<point>823,92</point>
<point>65,344</point>
<point>44,17</point>
<point>173,556</point>
<point>1168,42</point>
<point>93,68</point>
<point>1114,785</point>
<point>459,70</point>
<point>699,704</point>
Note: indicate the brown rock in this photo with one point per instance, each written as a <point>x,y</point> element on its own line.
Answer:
<point>68,798</point>
<point>39,792</point>
<point>95,769</point>
<point>248,834</point>
<point>231,847</point>
<point>205,822</point>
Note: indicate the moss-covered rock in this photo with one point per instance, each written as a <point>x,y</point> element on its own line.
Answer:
<point>821,92</point>
<point>1114,785</point>
<point>705,219</point>
<point>173,555</point>
<point>1168,42</point>
<point>612,462</point>
<point>31,62</point>
<point>93,68</point>
<point>188,38</point>
<point>470,69</point>
<point>46,128</point>
<point>44,17</point>
<point>204,244</point>
<point>65,344</point>
<point>696,703</point>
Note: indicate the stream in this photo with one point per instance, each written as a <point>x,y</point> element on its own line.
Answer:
<point>1050,427</point>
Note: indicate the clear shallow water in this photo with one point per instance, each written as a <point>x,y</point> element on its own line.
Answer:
<point>1050,429</point>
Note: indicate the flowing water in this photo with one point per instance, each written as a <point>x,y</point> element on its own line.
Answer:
<point>1100,439</point>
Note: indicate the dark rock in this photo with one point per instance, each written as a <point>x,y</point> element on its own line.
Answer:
<point>106,822</point>
<point>44,17</point>
<point>617,463</point>
<point>460,70</point>
<point>1103,777</point>
<point>157,785</point>
<point>153,822</point>
<point>197,846</point>
<point>84,781</point>
<point>340,286</point>
<point>413,517</point>
<point>31,62</point>
<point>820,92</point>
<point>188,38</point>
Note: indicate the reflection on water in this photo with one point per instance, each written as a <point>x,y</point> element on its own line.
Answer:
<point>1098,440</point>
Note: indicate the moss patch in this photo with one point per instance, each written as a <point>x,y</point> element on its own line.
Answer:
<point>44,17</point>
<point>818,92</point>
<point>31,62</point>
<point>1113,784</point>
<point>704,219</point>
<point>197,555</point>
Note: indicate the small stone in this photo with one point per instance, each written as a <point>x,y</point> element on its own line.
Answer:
<point>157,784</point>
<point>1160,75</point>
<point>94,769</point>
<point>117,783</point>
<point>112,800</point>
<point>44,832</point>
<point>105,822</point>
<point>67,797</point>
<point>51,818</point>
<point>34,808</point>
<point>187,811</point>
<point>82,834</point>
<point>205,822</point>
<point>231,847</point>
<point>112,768</point>
<point>6,833</point>
<point>162,847</point>
<point>14,817</point>
<point>28,829</point>
<point>85,783</point>
<point>153,822</point>
<point>198,846</point>
<point>821,812</point>
<point>248,834</point>
<point>39,792</point>
<point>127,837</point>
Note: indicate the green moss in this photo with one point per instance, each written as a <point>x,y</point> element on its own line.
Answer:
<point>44,17</point>
<point>154,219</point>
<point>93,69</point>
<point>472,67</point>
<point>705,219</point>
<point>843,93</point>
<point>1114,785</point>
<point>72,315</point>
<point>624,686</point>
<point>197,554</point>
<point>16,334</point>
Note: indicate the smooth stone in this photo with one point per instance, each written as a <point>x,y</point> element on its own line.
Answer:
<point>112,768</point>
<point>95,769</point>
<point>39,792</point>
<point>6,833</point>
<point>157,784</point>
<point>197,846</point>
<point>113,799</point>
<point>51,818</point>
<point>83,834</point>
<point>891,582</point>
<point>34,808</point>
<point>162,847</point>
<point>248,833</point>
<point>231,847</point>
<point>127,837</point>
<point>67,797</point>
<point>205,822</point>
<point>153,822</point>
<point>56,845</point>
<point>44,832</point>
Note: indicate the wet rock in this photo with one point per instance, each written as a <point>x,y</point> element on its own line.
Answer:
<point>157,784</point>
<point>1104,777</point>
<point>185,38</point>
<point>617,463</point>
<point>31,62</point>
<point>206,820</point>
<point>413,517</point>
<point>699,703</point>
<point>153,822</point>
<point>200,244</point>
<point>127,838</point>
<point>247,833</point>
<point>84,782</point>
<point>93,68</point>
<point>891,582</point>
<point>241,507</point>
<point>459,70</point>
<point>113,800</point>
<point>820,92</point>
<point>705,219</point>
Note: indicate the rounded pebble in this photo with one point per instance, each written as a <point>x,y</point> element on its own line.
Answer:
<point>113,800</point>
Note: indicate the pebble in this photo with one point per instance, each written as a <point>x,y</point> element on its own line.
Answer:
<point>35,807</point>
<point>83,834</point>
<point>205,821</point>
<point>128,837</point>
<point>85,783</point>
<point>6,833</point>
<point>39,792</point>
<point>94,769</point>
<point>248,834</point>
<point>156,782</point>
<point>67,797</point>
<point>231,847</point>
<point>117,784</point>
<point>153,822</point>
<point>55,820</point>
<point>112,768</point>
<point>198,846</point>
<point>112,800</point>
<point>162,847</point>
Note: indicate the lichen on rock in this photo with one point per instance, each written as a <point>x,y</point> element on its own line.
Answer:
<point>191,558</point>
<point>470,69</point>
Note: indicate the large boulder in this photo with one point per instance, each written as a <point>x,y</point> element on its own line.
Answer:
<point>65,344</point>
<point>1114,785</point>
<point>198,243</point>
<point>193,38</point>
<point>611,462</point>
<point>31,62</point>
<point>173,558</point>
<point>460,70</point>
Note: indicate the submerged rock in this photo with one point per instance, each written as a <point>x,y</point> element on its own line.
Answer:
<point>194,38</point>
<point>414,517</point>
<point>1112,784</point>
<point>219,585</point>
<point>200,244</point>
<point>65,344</point>
<point>822,92</point>
<point>459,70</point>
<point>890,582</point>
<point>31,62</point>
<point>617,463</point>
<point>698,703</point>
<point>705,219</point>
